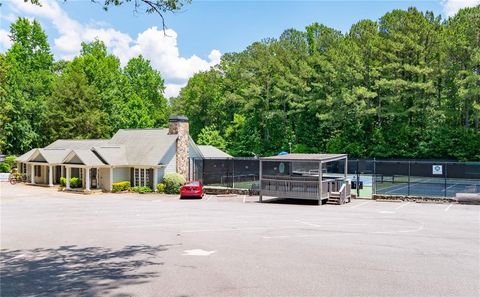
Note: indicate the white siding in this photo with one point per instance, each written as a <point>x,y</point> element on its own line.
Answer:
<point>170,159</point>
<point>104,178</point>
<point>121,174</point>
<point>160,174</point>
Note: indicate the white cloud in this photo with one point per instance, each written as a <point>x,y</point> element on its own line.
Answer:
<point>172,90</point>
<point>5,41</point>
<point>161,49</point>
<point>451,7</point>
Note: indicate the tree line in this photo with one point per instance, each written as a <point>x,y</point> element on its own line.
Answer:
<point>91,96</point>
<point>406,85</point>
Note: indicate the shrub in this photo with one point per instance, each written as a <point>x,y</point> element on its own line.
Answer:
<point>10,161</point>
<point>120,186</point>
<point>173,182</point>
<point>75,182</point>
<point>161,188</point>
<point>4,167</point>
<point>141,190</point>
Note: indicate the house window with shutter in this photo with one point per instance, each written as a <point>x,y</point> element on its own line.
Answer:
<point>140,177</point>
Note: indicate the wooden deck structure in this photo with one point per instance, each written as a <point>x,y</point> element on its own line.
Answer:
<point>302,176</point>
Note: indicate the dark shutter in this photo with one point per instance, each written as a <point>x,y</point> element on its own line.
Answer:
<point>132,176</point>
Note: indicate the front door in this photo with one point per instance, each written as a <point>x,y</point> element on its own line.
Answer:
<point>93,178</point>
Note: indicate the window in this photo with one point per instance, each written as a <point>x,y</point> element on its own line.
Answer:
<point>38,170</point>
<point>23,168</point>
<point>140,177</point>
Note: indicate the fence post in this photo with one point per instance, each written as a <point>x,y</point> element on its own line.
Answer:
<point>233,173</point>
<point>408,191</point>
<point>374,180</point>
<point>358,179</point>
<point>445,184</point>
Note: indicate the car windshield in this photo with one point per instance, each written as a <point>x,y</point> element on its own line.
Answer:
<point>193,183</point>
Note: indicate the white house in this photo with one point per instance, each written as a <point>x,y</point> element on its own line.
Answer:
<point>141,156</point>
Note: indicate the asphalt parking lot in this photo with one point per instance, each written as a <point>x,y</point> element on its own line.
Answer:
<point>63,244</point>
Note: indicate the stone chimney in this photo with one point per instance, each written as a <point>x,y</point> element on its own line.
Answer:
<point>179,125</point>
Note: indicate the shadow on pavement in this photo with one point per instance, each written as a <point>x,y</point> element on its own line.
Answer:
<point>70,270</point>
<point>291,201</point>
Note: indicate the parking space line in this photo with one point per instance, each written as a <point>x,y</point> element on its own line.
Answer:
<point>448,207</point>
<point>403,205</point>
<point>361,204</point>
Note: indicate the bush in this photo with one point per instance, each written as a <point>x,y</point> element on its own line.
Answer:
<point>75,182</point>
<point>4,167</point>
<point>141,190</point>
<point>120,186</point>
<point>10,161</point>
<point>161,188</point>
<point>173,182</point>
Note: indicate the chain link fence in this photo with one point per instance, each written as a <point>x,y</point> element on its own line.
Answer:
<point>389,177</point>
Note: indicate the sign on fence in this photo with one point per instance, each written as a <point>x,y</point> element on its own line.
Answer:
<point>437,169</point>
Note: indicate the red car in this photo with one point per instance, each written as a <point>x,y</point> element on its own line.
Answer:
<point>192,188</point>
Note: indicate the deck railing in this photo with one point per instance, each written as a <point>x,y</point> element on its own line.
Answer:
<point>296,187</point>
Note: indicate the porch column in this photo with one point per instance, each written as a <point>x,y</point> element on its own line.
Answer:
<point>155,181</point>
<point>50,176</point>
<point>87,179</point>
<point>67,183</point>
<point>111,178</point>
<point>61,171</point>
<point>33,174</point>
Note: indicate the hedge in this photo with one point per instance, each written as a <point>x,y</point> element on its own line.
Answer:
<point>120,186</point>
<point>141,190</point>
<point>173,182</point>
<point>75,182</point>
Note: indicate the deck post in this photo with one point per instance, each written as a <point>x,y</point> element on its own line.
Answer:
<point>346,168</point>
<point>260,199</point>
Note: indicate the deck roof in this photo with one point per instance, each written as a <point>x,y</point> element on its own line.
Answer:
<point>306,157</point>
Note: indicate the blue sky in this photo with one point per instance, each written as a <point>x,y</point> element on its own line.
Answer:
<point>200,33</point>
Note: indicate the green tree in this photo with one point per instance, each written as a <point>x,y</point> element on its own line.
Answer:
<point>209,135</point>
<point>26,80</point>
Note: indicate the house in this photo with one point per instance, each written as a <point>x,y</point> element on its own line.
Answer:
<point>141,156</point>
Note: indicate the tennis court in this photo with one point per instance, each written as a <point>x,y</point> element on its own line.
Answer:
<point>418,186</point>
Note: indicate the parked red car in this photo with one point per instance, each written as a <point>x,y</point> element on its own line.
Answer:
<point>192,188</point>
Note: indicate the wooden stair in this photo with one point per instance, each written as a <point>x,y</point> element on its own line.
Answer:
<point>334,198</point>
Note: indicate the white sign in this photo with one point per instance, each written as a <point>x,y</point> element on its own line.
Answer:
<point>437,169</point>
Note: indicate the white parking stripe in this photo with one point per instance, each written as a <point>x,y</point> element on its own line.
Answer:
<point>403,205</point>
<point>361,204</point>
<point>448,207</point>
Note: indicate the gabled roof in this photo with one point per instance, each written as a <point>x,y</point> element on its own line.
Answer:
<point>209,151</point>
<point>76,143</point>
<point>52,156</point>
<point>144,146</point>
<point>112,154</point>
<point>86,157</point>
<point>26,156</point>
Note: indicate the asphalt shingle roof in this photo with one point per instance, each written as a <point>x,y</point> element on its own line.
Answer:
<point>209,151</point>
<point>144,146</point>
